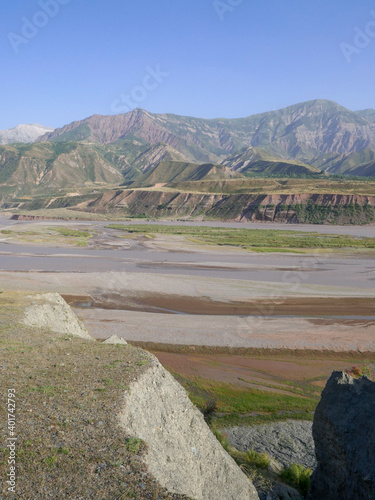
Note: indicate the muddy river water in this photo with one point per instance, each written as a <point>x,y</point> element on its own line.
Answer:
<point>226,298</point>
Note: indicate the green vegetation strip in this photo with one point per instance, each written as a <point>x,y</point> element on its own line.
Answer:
<point>74,233</point>
<point>253,239</point>
<point>234,405</point>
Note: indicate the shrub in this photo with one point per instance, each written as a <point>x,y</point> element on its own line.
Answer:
<point>209,410</point>
<point>297,475</point>
<point>357,372</point>
<point>260,460</point>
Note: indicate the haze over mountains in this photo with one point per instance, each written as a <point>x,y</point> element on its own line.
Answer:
<point>303,139</point>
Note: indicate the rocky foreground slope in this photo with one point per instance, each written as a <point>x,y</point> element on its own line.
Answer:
<point>99,420</point>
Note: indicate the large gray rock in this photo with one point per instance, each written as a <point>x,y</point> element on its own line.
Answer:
<point>344,435</point>
<point>183,454</point>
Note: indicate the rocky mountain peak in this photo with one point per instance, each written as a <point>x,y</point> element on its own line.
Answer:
<point>24,133</point>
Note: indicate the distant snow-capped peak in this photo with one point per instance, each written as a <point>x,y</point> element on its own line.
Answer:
<point>23,133</point>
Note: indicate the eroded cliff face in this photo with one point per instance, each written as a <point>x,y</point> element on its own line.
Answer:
<point>289,208</point>
<point>183,454</point>
<point>311,208</point>
<point>344,435</point>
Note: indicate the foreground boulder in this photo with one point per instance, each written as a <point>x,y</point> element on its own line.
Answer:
<point>183,454</point>
<point>344,435</point>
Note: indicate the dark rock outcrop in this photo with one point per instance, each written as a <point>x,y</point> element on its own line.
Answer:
<point>286,442</point>
<point>344,435</point>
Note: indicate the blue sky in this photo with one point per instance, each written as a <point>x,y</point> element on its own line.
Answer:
<point>212,58</point>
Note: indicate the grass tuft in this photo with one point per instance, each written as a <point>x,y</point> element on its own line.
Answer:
<point>298,476</point>
<point>260,460</point>
<point>49,461</point>
<point>133,445</point>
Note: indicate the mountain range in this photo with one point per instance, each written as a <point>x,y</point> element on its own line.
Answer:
<point>138,147</point>
<point>302,131</point>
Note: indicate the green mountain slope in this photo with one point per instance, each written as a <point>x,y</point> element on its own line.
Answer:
<point>54,166</point>
<point>260,161</point>
<point>60,165</point>
<point>176,172</point>
<point>133,157</point>
<point>361,163</point>
<point>368,114</point>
